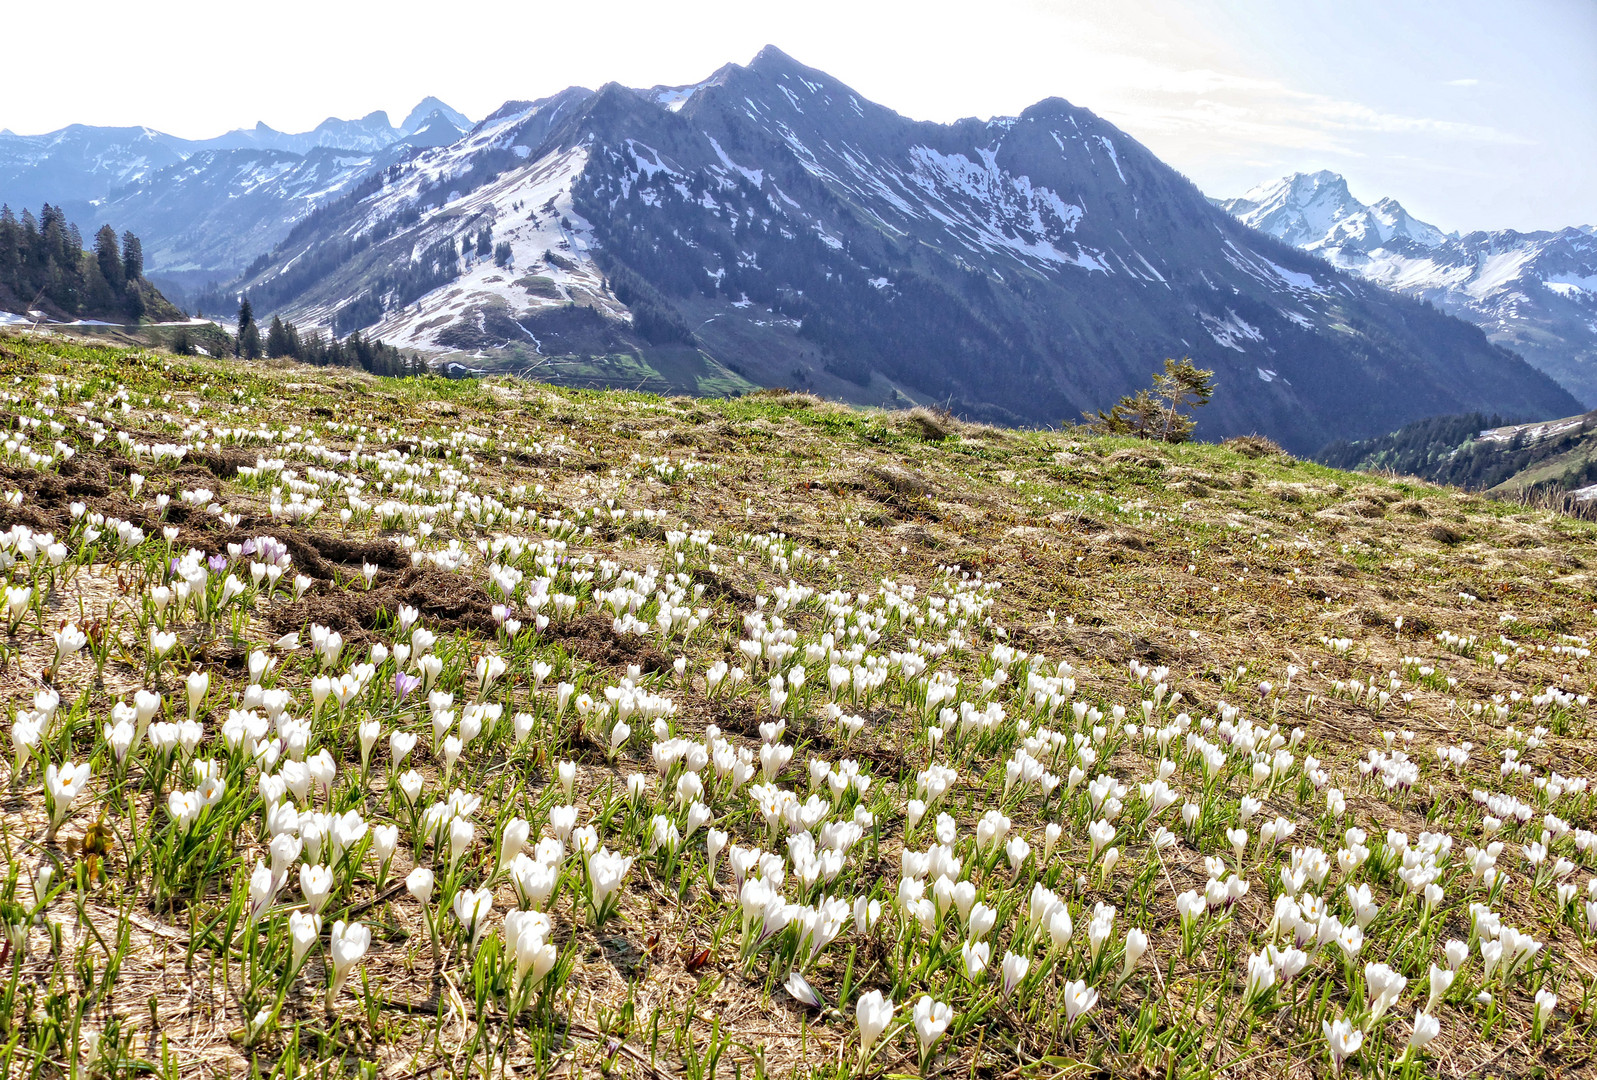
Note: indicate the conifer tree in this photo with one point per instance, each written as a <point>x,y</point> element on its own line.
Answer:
<point>276,338</point>
<point>132,257</point>
<point>1162,412</point>
<point>248,334</point>
<point>109,258</point>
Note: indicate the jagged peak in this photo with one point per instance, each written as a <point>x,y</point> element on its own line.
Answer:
<point>426,109</point>
<point>1300,188</point>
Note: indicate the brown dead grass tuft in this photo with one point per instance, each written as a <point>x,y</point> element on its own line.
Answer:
<point>1255,446</point>
<point>933,425</point>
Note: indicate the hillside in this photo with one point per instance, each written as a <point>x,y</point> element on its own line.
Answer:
<point>444,727</point>
<point>47,276</point>
<point>1552,457</point>
<point>770,227</point>
<point>1532,292</point>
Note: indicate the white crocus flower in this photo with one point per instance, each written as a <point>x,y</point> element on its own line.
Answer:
<point>931,1019</point>
<point>62,786</point>
<point>1343,1040</point>
<point>304,928</point>
<point>873,1012</point>
<point>349,943</point>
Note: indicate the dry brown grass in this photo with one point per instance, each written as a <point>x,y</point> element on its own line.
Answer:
<point>1200,558</point>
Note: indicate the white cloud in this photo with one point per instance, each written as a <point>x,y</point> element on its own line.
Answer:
<point>1268,110</point>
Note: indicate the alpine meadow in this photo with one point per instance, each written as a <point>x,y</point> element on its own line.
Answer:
<point>726,580</point>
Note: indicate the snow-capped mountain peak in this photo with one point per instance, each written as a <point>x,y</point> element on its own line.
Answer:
<point>423,114</point>
<point>1316,210</point>
<point>1534,293</point>
<point>81,165</point>
<point>769,225</point>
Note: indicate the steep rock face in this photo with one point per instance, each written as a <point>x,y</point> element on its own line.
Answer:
<point>769,219</point>
<point>1534,293</point>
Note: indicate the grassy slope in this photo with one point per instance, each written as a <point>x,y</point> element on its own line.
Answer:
<point>1109,551</point>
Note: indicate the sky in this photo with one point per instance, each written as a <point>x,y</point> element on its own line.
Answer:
<point>1472,114</point>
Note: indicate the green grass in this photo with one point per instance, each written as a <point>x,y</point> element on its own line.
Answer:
<point>1226,569</point>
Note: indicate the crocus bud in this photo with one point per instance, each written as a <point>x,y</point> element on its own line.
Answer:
<point>514,839</point>
<point>1014,969</point>
<point>304,928</point>
<point>197,683</point>
<point>348,944</point>
<point>419,883</point>
<point>874,1013</point>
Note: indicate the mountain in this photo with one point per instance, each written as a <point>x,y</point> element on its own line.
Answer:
<point>1316,212</point>
<point>209,206</point>
<point>208,215</point>
<point>772,223</point>
<point>80,162</point>
<point>1548,457</point>
<point>1534,293</point>
<point>427,111</point>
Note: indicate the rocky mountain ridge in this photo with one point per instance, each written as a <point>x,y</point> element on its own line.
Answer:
<point>1532,292</point>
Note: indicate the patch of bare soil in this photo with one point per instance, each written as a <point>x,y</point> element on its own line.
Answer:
<point>592,638</point>
<point>447,602</point>
<point>87,479</point>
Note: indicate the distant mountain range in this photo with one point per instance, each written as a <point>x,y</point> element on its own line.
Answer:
<point>208,206</point>
<point>771,227</point>
<point>1532,292</point>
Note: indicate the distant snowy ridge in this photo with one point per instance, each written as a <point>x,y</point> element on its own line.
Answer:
<point>770,220</point>
<point>208,205</point>
<point>1534,293</point>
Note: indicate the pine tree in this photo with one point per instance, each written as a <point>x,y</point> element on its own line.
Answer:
<point>249,342</point>
<point>132,257</point>
<point>246,326</point>
<point>1181,386</point>
<point>1162,413</point>
<point>109,258</point>
<point>276,338</point>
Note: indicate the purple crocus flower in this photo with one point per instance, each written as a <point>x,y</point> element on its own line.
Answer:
<point>404,684</point>
<point>217,563</point>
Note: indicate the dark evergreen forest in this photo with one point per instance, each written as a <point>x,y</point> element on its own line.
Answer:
<point>44,267</point>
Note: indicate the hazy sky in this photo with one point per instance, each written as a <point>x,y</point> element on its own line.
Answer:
<point>1472,114</point>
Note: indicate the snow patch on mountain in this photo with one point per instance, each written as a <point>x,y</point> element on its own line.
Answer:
<point>993,211</point>
<point>1531,292</point>
<point>1569,285</point>
<point>754,176</point>
<point>531,211</point>
<point>1230,331</point>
